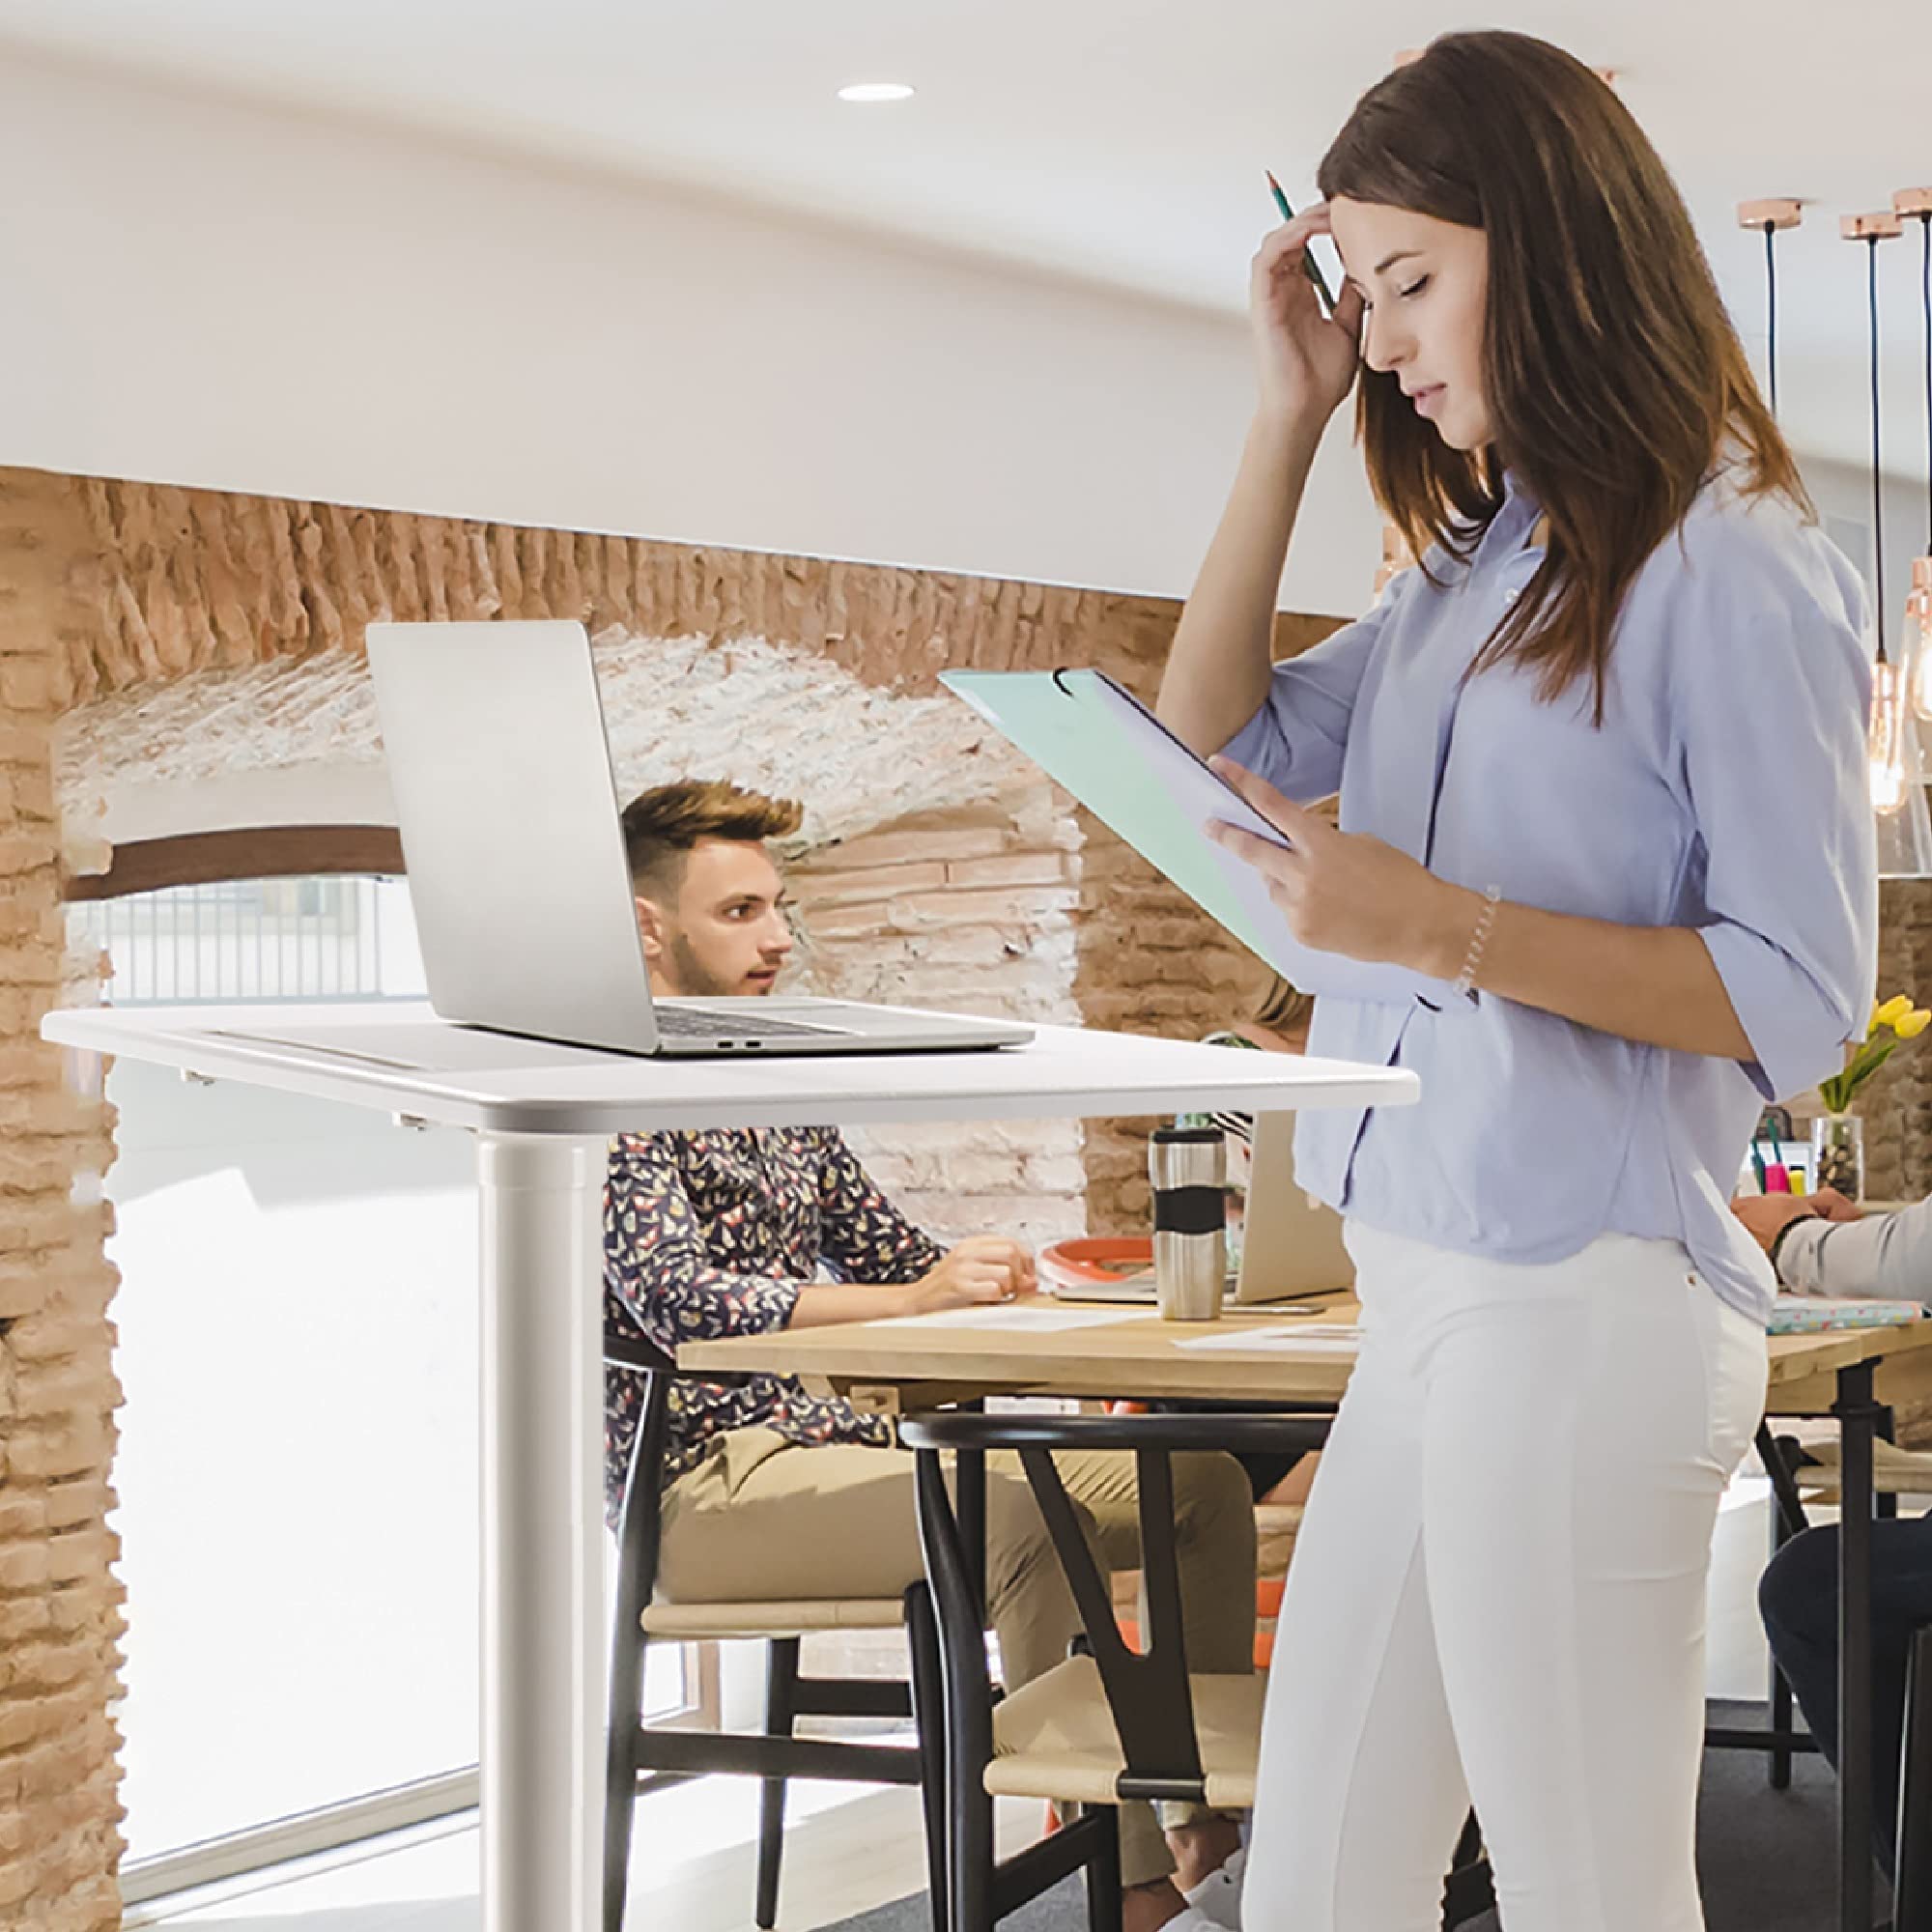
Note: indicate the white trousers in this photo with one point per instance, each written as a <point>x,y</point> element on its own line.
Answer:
<point>1498,1595</point>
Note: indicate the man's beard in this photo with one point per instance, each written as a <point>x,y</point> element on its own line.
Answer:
<point>695,977</point>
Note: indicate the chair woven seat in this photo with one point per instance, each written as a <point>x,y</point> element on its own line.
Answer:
<point>1895,1471</point>
<point>1055,1738</point>
<point>696,1621</point>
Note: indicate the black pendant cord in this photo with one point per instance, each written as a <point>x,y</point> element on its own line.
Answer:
<point>1878,491</point>
<point>1771,306</point>
<point>1925,304</point>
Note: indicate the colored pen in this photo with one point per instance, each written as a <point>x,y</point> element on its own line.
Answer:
<point>1310,267</point>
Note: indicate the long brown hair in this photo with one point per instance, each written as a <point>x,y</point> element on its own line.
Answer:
<point>1616,382</point>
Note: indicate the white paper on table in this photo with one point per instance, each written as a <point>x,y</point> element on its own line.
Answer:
<point>996,1314</point>
<point>1314,1338</point>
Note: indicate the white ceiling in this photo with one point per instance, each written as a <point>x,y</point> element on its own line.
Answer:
<point>1119,140</point>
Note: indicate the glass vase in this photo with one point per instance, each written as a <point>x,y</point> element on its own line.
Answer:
<point>1838,1154</point>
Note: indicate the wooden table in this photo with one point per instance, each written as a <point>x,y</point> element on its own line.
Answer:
<point>887,1366</point>
<point>901,1367</point>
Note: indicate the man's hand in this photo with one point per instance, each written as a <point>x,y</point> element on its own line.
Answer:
<point>983,1267</point>
<point>1766,1216</point>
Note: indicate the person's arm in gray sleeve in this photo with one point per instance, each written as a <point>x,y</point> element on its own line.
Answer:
<point>1885,1257</point>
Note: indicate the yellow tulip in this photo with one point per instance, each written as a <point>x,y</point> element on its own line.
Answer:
<point>1893,1012</point>
<point>1914,1023</point>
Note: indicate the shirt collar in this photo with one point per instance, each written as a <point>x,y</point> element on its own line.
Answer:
<point>1516,517</point>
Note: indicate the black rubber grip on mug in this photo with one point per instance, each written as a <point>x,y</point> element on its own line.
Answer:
<point>1189,1210</point>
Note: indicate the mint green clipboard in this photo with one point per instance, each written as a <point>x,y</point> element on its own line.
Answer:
<point>1094,738</point>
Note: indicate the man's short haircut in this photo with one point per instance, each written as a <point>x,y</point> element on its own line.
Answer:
<point>662,825</point>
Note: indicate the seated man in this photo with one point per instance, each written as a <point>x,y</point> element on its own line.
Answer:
<point>772,1493</point>
<point>1821,1244</point>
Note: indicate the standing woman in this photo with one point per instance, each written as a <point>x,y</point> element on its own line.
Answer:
<point>1605,811</point>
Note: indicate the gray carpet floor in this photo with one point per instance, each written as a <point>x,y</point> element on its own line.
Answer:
<point>1767,1859</point>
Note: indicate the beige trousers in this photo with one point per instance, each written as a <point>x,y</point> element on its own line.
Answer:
<point>763,1517</point>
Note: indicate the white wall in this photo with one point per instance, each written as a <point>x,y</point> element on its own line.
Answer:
<point>213,293</point>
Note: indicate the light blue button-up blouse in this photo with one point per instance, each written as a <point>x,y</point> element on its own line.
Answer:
<point>1726,790</point>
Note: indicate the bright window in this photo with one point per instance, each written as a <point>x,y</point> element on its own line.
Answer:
<point>298,1345</point>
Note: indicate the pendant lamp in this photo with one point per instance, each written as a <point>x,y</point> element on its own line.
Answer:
<point>1896,776</point>
<point>1770,217</point>
<point>1915,639</point>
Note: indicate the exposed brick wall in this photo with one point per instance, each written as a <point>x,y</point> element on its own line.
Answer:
<point>972,910</point>
<point>1896,1105</point>
<point>183,580</point>
<point>60,1603</point>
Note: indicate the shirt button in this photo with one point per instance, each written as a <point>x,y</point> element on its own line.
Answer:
<point>1510,595</point>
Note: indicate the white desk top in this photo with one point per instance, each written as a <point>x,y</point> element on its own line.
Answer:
<point>458,1076</point>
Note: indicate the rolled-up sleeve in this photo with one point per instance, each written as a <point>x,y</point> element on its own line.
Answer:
<point>1297,738</point>
<point>1771,692</point>
<point>1885,1257</point>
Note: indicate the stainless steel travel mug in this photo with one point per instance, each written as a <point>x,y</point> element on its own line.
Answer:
<point>1189,1168</point>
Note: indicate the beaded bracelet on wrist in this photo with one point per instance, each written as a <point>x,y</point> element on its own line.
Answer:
<point>1465,983</point>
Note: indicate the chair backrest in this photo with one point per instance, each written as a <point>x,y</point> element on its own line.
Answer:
<point>1149,1692</point>
<point>633,1351</point>
<point>639,1517</point>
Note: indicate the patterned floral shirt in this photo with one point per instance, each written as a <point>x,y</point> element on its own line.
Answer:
<point>715,1233</point>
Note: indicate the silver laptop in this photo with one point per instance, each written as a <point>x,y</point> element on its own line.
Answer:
<point>1291,1246</point>
<point>514,846</point>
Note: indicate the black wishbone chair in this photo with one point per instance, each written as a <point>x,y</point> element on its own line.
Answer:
<point>1109,1724</point>
<point>636,1751</point>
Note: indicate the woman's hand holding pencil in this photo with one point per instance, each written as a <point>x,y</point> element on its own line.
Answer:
<point>1307,359</point>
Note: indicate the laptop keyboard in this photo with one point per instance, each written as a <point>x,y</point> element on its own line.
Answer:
<point>693,1023</point>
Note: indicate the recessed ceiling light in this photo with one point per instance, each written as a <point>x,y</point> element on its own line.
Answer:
<point>876,90</point>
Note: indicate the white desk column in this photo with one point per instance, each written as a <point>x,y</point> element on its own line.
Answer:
<point>543,1537</point>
